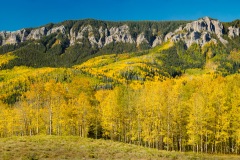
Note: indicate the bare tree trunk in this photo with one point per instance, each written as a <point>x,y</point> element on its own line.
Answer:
<point>201,142</point>
<point>206,146</point>
<point>197,148</point>
<point>50,120</point>
<point>180,143</point>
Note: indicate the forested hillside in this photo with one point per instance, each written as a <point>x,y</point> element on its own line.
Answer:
<point>73,42</point>
<point>171,96</point>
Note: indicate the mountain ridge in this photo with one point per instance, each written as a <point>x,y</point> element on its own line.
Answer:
<point>101,33</point>
<point>109,31</point>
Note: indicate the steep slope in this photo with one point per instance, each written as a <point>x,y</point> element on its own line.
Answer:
<point>139,66</point>
<point>73,42</point>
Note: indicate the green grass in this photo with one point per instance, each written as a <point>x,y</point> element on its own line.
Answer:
<point>68,147</point>
<point>196,71</point>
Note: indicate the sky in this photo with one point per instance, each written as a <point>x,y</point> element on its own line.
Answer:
<point>18,14</point>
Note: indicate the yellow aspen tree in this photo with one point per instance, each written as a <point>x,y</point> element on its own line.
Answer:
<point>221,121</point>
<point>101,96</point>
<point>234,113</point>
<point>168,112</point>
<point>109,114</point>
<point>85,111</point>
<point>35,98</point>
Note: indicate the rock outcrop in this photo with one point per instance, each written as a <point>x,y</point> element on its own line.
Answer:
<point>158,40</point>
<point>141,39</point>
<point>84,32</point>
<point>38,33</point>
<point>22,35</point>
<point>233,32</point>
<point>199,32</point>
<point>106,36</point>
<point>60,29</point>
<point>119,34</point>
<point>13,37</point>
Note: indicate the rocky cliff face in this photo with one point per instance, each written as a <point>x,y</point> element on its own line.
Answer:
<point>106,36</point>
<point>36,34</point>
<point>199,32</point>
<point>23,35</point>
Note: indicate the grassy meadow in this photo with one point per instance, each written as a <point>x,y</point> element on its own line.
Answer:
<point>73,147</point>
